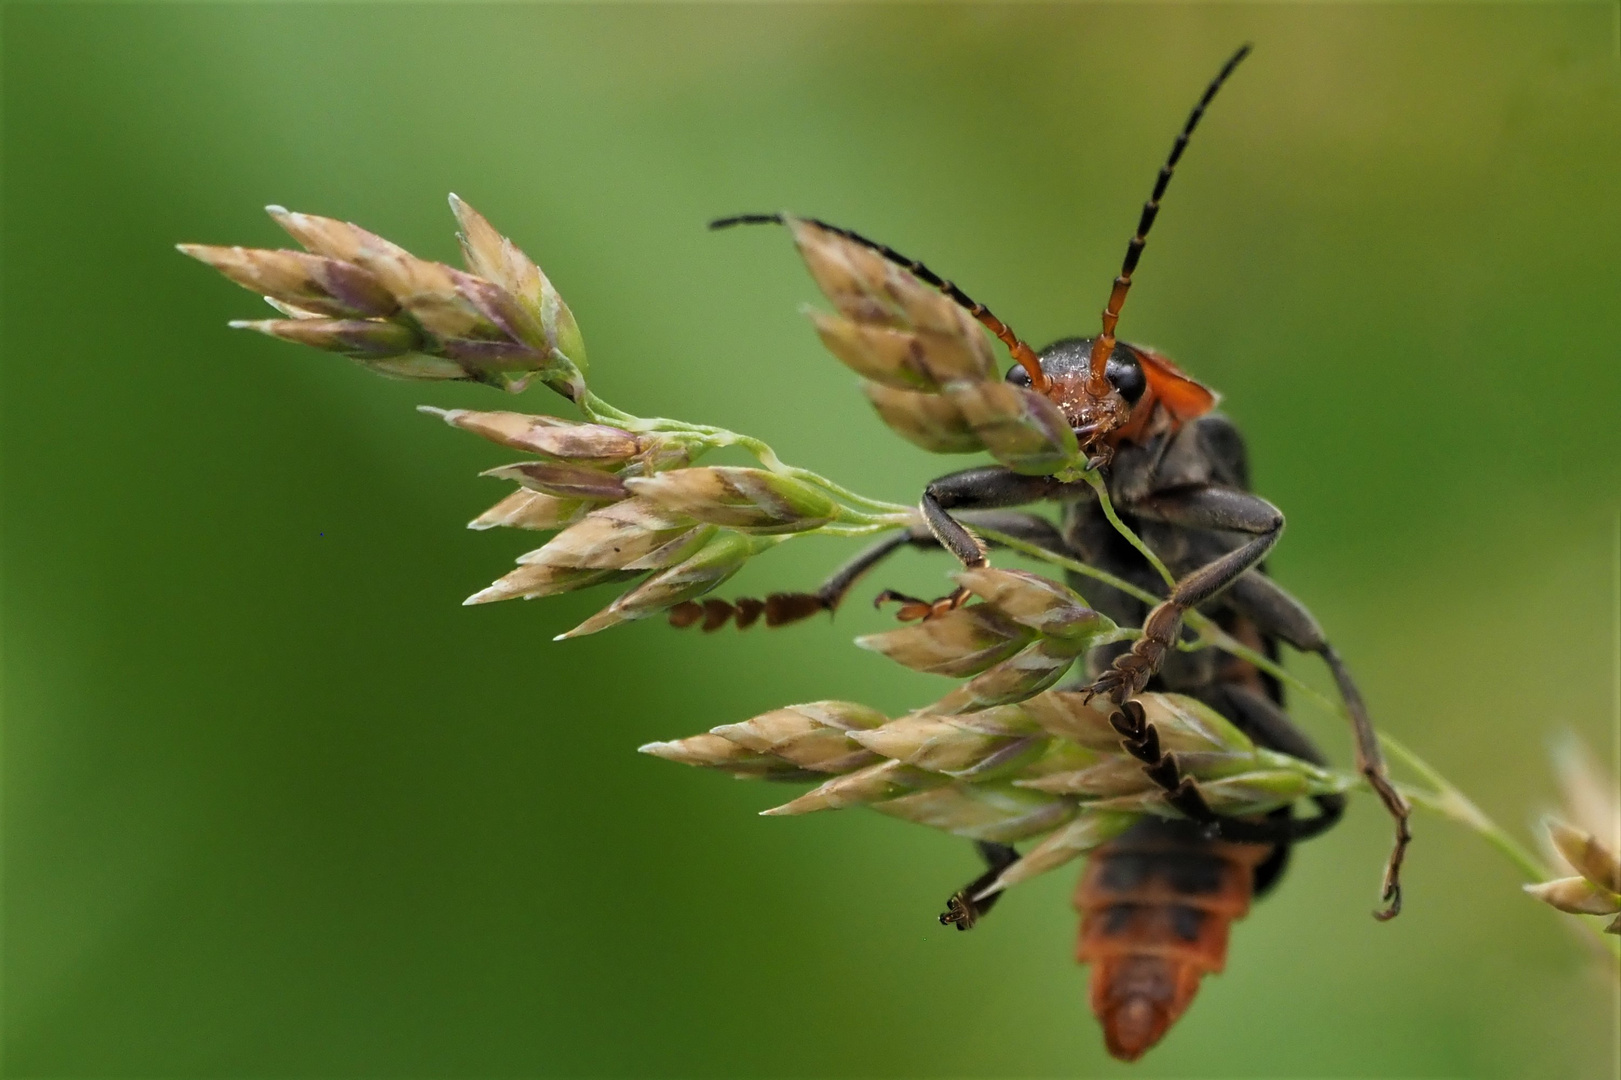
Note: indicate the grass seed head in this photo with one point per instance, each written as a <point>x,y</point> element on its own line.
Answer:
<point>714,752</point>
<point>1087,831</point>
<point>959,643</point>
<point>532,581</point>
<point>597,445</point>
<point>939,744</point>
<point>532,510</point>
<point>1023,675</point>
<point>750,500</point>
<point>1585,854</point>
<point>435,322</point>
<point>630,534</point>
<point>1043,605</point>
<point>816,736</point>
<point>902,359</point>
<point>874,783</point>
<point>930,421</point>
<point>310,283</point>
<point>994,812</point>
<point>366,340</point>
<point>1576,896</point>
<point>719,558</point>
<point>1023,430</point>
<point>563,480</point>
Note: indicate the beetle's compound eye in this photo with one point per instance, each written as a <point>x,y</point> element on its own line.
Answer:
<point>1018,376</point>
<point>1125,374</point>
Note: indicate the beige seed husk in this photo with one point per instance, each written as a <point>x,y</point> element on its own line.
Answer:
<point>1118,775</point>
<point>525,509</point>
<point>937,744</point>
<point>814,736</point>
<point>930,421</point>
<point>719,558</point>
<point>362,339</point>
<point>1586,855</point>
<point>750,500</point>
<point>713,752</point>
<point>869,288</point>
<point>871,784</point>
<point>1034,601</point>
<point>563,480</point>
<point>312,283</point>
<point>1182,722</point>
<point>493,256</point>
<point>1023,430</point>
<point>1576,896</point>
<point>540,579</point>
<point>417,366</point>
<point>1247,793</point>
<point>993,812</point>
<point>598,445</point>
<point>903,359</point>
<point>1090,830</point>
<point>1021,676</point>
<point>330,237</point>
<point>621,535</point>
<point>959,643</point>
<point>848,274</point>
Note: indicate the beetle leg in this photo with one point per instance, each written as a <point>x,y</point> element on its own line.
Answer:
<point>983,488</point>
<point>782,608</point>
<point>1140,739</point>
<point>1203,507</point>
<point>1280,615</point>
<point>962,910</point>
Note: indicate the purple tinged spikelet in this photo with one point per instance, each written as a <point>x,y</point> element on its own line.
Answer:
<point>1023,430</point>
<point>752,500</point>
<point>959,643</point>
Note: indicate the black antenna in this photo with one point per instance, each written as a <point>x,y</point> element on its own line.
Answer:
<point>1103,344</point>
<point>1024,354</point>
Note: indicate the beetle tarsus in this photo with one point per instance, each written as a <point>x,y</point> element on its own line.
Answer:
<point>962,910</point>
<point>779,609</point>
<point>913,609</point>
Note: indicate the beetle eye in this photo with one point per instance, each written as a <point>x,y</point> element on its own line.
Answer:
<point>1018,376</point>
<point>1125,374</point>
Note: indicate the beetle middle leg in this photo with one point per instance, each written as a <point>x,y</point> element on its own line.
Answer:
<point>962,910</point>
<point>984,488</point>
<point>781,608</point>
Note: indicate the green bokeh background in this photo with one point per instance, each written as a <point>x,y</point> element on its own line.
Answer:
<point>275,804</point>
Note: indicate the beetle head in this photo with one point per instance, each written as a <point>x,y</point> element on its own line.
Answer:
<point>1095,408</point>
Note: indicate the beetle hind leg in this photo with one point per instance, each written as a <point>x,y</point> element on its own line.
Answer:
<point>962,910</point>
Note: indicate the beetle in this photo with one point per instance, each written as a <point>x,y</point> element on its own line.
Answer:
<point>1157,901</point>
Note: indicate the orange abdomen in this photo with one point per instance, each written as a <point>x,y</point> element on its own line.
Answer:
<point>1155,907</point>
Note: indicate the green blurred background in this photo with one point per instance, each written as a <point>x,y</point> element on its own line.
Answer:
<point>276,805</point>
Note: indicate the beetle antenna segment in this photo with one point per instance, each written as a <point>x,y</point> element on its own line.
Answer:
<point>1103,344</point>
<point>1024,354</point>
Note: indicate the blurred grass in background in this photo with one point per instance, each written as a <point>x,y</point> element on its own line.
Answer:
<point>276,804</point>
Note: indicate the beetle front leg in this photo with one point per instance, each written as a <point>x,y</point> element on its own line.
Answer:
<point>1194,508</point>
<point>962,910</point>
<point>971,489</point>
